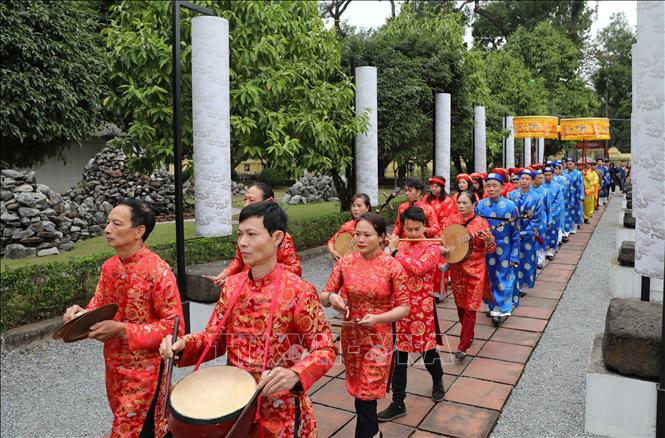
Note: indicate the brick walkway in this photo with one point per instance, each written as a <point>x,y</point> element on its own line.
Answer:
<point>476,388</point>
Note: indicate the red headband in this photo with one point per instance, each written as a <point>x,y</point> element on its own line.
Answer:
<point>438,181</point>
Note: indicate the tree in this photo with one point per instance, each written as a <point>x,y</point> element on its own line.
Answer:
<point>612,77</point>
<point>550,55</point>
<point>418,51</point>
<point>52,78</point>
<point>334,9</point>
<point>291,104</point>
<point>496,21</point>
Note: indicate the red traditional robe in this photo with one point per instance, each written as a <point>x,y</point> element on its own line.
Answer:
<point>369,286</point>
<point>299,327</point>
<point>416,332</point>
<point>469,278</point>
<point>286,256</point>
<point>507,188</point>
<point>444,209</point>
<point>347,227</point>
<point>145,290</point>
<point>431,223</point>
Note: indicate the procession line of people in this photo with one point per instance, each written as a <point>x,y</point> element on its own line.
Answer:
<point>385,292</point>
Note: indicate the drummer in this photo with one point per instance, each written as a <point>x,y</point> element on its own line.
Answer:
<point>286,253</point>
<point>275,354</point>
<point>414,189</point>
<point>143,286</point>
<point>360,204</point>
<point>469,277</point>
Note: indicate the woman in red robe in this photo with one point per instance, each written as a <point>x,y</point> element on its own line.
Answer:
<point>360,204</point>
<point>445,207</point>
<point>273,353</point>
<point>414,188</point>
<point>287,255</point>
<point>145,290</point>
<point>418,331</point>
<point>469,277</point>
<point>369,288</point>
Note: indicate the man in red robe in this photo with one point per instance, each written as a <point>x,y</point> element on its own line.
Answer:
<point>414,189</point>
<point>144,288</point>
<point>287,356</point>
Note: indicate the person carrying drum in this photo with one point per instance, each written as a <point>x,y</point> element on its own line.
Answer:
<point>286,253</point>
<point>418,331</point>
<point>369,288</point>
<point>502,262</point>
<point>360,204</point>
<point>414,189</point>
<point>286,357</point>
<point>144,287</point>
<point>469,277</point>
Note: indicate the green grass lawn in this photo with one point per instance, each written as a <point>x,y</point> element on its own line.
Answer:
<point>163,233</point>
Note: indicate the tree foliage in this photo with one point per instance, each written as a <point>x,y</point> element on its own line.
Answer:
<point>420,50</point>
<point>291,104</point>
<point>612,78</point>
<point>52,78</point>
<point>496,21</point>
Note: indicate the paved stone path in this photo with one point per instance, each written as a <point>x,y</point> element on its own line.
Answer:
<point>50,389</point>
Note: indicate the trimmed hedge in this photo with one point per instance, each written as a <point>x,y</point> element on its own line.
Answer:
<point>33,293</point>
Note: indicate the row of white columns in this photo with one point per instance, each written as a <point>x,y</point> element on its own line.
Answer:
<point>212,139</point>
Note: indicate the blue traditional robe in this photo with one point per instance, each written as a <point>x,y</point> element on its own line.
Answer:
<point>564,186</point>
<point>545,218</point>
<point>554,214</point>
<point>531,203</point>
<point>507,237</point>
<point>575,196</point>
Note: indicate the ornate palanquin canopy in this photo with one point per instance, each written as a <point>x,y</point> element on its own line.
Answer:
<point>536,126</point>
<point>588,128</point>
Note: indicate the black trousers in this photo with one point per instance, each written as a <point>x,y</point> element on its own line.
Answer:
<point>367,423</point>
<point>432,363</point>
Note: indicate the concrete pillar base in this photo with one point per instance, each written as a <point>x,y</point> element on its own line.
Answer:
<point>626,283</point>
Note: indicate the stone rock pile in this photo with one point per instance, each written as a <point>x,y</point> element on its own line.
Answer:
<point>238,189</point>
<point>311,188</point>
<point>106,180</point>
<point>35,220</point>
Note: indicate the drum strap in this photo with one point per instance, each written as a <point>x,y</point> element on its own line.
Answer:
<point>266,344</point>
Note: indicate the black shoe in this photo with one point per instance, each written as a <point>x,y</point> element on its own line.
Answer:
<point>496,320</point>
<point>391,412</point>
<point>586,221</point>
<point>460,355</point>
<point>437,300</point>
<point>437,391</point>
<point>549,257</point>
<point>522,294</point>
<point>564,239</point>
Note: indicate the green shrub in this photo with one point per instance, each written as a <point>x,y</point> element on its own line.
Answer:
<point>274,177</point>
<point>38,292</point>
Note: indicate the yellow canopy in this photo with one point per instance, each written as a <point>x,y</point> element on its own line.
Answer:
<point>588,128</point>
<point>536,126</point>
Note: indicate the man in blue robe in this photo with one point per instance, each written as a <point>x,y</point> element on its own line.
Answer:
<point>605,182</point>
<point>527,201</point>
<point>537,184</point>
<point>554,213</point>
<point>501,264</point>
<point>575,197</point>
<point>563,182</point>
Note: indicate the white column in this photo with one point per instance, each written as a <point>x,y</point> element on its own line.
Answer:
<point>479,140</point>
<point>527,152</point>
<point>634,120</point>
<point>442,141</point>
<point>649,199</point>
<point>510,142</point>
<point>211,125</point>
<point>366,163</point>
<point>541,150</point>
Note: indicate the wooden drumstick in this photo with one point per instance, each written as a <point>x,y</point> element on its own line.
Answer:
<point>169,368</point>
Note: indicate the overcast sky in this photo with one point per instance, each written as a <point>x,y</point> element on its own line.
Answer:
<point>373,13</point>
